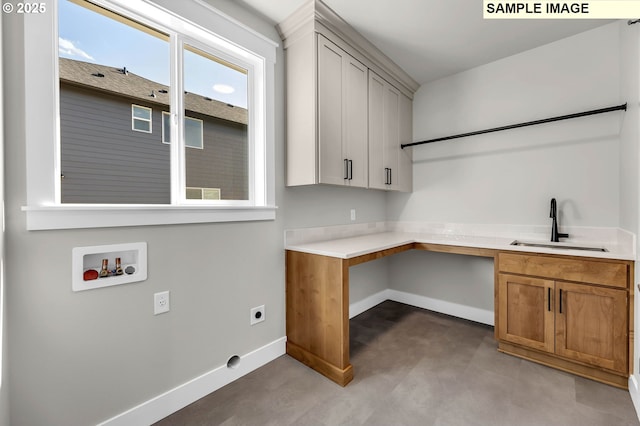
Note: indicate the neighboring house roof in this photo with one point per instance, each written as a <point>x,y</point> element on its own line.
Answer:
<point>116,80</point>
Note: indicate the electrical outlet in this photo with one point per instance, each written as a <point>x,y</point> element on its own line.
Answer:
<point>161,302</point>
<point>257,315</point>
<point>353,214</point>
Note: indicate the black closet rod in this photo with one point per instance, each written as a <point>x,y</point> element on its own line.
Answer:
<point>622,107</point>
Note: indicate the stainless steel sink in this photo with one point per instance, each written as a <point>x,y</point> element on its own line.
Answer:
<point>557,246</point>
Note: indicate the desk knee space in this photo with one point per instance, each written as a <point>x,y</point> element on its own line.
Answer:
<point>317,298</point>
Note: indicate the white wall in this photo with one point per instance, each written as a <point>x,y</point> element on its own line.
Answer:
<point>629,132</point>
<point>324,205</point>
<point>629,163</point>
<point>4,365</point>
<point>82,358</point>
<point>509,177</point>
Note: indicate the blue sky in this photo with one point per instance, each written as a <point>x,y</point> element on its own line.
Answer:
<point>87,36</point>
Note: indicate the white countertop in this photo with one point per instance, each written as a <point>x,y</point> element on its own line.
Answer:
<point>353,246</point>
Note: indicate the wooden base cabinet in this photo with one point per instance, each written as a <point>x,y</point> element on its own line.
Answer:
<point>525,314</point>
<point>591,325</point>
<point>581,327</point>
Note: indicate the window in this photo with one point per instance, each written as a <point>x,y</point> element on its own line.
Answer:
<point>193,132</point>
<point>211,90</point>
<point>203,193</point>
<point>193,137</point>
<point>141,118</point>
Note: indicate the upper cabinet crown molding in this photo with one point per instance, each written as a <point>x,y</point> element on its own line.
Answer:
<point>317,16</point>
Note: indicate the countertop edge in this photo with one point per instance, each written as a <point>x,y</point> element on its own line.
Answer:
<point>350,247</point>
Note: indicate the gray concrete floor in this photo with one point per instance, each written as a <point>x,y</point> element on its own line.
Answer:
<point>414,367</point>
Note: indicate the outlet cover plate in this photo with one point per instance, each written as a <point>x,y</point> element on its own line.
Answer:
<point>257,315</point>
<point>161,303</point>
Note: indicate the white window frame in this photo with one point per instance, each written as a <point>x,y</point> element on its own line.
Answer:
<point>195,20</point>
<point>134,118</point>
<point>166,115</point>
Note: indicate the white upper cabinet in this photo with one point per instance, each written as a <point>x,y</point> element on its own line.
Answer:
<point>384,133</point>
<point>405,156</point>
<point>349,107</point>
<point>342,116</point>
<point>390,125</point>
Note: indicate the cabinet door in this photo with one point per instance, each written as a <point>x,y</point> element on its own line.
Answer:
<point>342,117</point>
<point>331,167</point>
<point>405,156</point>
<point>392,134</point>
<point>377,174</point>
<point>384,133</point>
<point>526,312</point>
<point>591,325</point>
<point>355,121</point>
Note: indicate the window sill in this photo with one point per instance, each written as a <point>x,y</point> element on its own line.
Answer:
<point>103,216</point>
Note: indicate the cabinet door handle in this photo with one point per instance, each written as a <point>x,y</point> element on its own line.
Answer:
<point>346,169</point>
<point>390,177</point>
<point>560,301</point>
<point>549,299</point>
<point>350,169</point>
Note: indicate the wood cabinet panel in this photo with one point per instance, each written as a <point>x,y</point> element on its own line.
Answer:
<point>526,316</point>
<point>591,325</point>
<point>317,300</point>
<point>592,271</point>
<point>590,320</point>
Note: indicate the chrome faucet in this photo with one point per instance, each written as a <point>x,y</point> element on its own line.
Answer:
<point>555,235</point>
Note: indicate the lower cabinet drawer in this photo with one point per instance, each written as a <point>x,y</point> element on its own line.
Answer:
<point>591,271</point>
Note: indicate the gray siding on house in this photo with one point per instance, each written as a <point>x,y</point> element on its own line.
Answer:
<point>223,162</point>
<point>105,161</point>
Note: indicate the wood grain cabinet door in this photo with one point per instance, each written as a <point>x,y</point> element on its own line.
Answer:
<point>526,311</point>
<point>591,324</point>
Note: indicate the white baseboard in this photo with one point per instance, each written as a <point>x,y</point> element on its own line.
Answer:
<point>179,397</point>
<point>461,311</point>
<point>357,308</point>
<point>482,316</point>
<point>635,394</point>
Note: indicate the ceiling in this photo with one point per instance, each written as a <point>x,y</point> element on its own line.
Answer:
<point>431,39</point>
